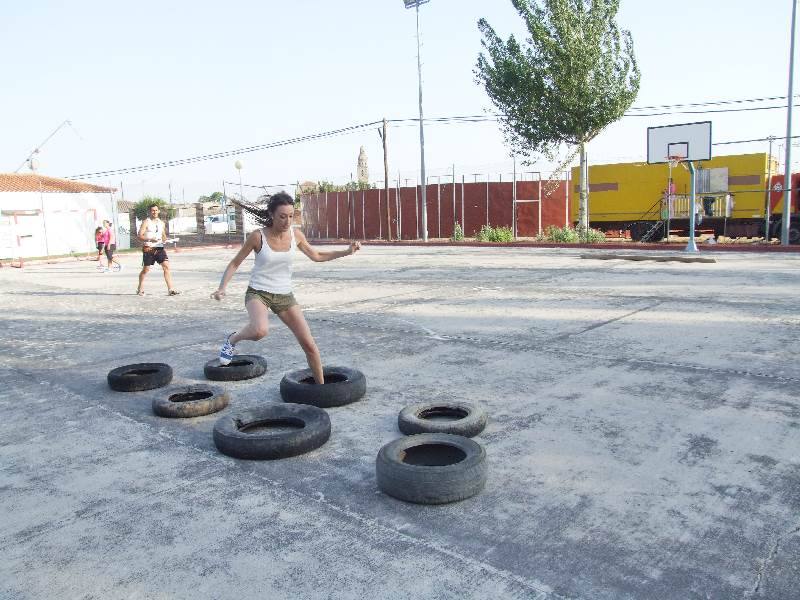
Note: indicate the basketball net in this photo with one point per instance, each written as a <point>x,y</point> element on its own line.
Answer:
<point>673,161</point>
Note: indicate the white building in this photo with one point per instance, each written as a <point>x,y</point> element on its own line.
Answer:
<point>47,216</point>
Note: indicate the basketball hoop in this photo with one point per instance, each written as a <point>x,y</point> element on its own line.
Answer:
<point>673,161</point>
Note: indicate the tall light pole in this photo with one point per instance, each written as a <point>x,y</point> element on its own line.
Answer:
<point>415,4</point>
<point>238,165</point>
<point>787,181</point>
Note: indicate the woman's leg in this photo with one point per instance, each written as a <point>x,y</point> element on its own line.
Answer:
<point>296,322</point>
<point>257,327</point>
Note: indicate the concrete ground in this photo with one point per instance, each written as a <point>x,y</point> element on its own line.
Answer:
<point>644,434</point>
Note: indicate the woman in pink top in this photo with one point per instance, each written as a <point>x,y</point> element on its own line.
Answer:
<point>111,242</point>
<point>101,239</point>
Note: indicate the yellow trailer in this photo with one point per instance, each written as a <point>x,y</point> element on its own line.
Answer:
<point>731,196</point>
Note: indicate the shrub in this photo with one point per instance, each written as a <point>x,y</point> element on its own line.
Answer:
<point>568,235</point>
<point>594,236</point>
<point>458,233</point>
<point>559,235</point>
<point>142,208</point>
<point>495,234</point>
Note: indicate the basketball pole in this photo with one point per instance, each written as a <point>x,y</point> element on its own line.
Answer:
<point>691,246</point>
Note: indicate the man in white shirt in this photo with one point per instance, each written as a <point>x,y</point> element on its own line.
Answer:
<point>153,233</point>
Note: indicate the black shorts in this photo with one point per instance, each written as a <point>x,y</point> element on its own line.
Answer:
<point>110,251</point>
<point>100,246</point>
<point>151,256</point>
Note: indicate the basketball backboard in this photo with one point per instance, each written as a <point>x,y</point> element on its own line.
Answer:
<point>688,141</point>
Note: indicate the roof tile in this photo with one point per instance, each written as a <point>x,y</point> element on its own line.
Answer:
<point>33,182</point>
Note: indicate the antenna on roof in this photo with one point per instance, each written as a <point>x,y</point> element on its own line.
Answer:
<point>31,161</point>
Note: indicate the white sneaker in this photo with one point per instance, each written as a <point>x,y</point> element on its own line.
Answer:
<point>227,351</point>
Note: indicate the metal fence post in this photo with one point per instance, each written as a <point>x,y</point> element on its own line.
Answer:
<point>463,218</point>
<point>514,200</point>
<point>439,205</point>
<point>454,200</point>
<point>487,200</point>
<point>399,211</point>
<point>416,205</point>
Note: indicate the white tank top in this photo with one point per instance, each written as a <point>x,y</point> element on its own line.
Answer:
<point>153,229</point>
<point>272,271</point>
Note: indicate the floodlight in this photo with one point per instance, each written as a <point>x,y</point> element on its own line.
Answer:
<point>414,3</point>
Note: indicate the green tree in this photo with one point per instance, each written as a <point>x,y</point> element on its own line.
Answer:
<point>351,186</point>
<point>575,75</point>
<point>215,197</point>
<point>142,207</point>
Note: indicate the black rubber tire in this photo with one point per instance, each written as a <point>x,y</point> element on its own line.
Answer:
<point>231,438</point>
<point>191,401</point>
<point>342,386</point>
<point>431,484</point>
<point>469,419</point>
<point>139,377</point>
<point>243,366</point>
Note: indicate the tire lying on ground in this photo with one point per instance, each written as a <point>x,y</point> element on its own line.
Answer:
<point>272,431</point>
<point>139,377</point>
<point>431,468</point>
<point>342,386</point>
<point>191,401</point>
<point>458,418</point>
<point>243,366</point>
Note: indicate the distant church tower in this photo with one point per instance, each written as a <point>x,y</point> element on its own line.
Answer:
<point>363,170</point>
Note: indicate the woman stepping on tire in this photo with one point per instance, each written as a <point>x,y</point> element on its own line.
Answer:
<point>271,278</point>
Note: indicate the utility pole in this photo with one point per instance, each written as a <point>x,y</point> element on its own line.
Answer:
<point>768,199</point>
<point>386,183</point>
<point>787,181</point>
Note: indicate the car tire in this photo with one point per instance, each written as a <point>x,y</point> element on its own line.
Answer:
<point>431,468</point>
<point>139,377</point>
<point>342,386</point>
<point>243,366</point>
<point>466,419</point>
<point>191,401</point>
<point>312,428</point>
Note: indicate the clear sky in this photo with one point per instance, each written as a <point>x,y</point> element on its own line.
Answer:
<point>150,81</point>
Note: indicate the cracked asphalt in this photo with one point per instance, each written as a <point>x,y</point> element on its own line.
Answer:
<point>643,437</point>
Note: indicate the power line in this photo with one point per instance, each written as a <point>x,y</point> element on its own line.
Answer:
<point>496,117</point>
<point>486,118</point>
<point>766,139</point>
<point>712,103</point>
<point>228,153</point>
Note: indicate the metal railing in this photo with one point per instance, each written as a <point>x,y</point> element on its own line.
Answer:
<point>708,205</point>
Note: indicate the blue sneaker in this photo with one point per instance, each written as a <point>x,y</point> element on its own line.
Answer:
<point>226,352</point>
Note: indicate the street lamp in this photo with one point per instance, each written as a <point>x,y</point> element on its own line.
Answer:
<point>415,4</point>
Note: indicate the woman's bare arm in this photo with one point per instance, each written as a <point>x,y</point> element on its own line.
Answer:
<point>323,255</point>
<point>251,243</point>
